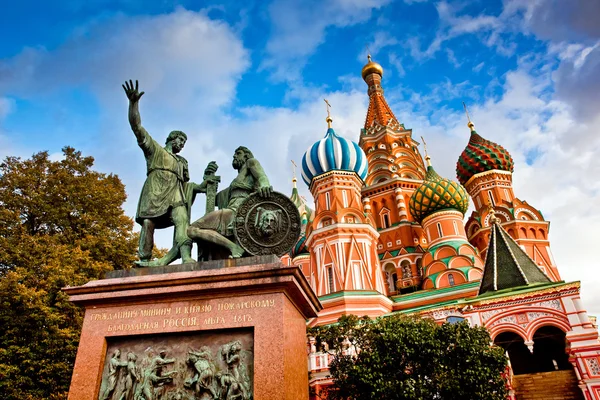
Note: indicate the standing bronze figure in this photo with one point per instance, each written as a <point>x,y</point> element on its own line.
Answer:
<point>167,194</point>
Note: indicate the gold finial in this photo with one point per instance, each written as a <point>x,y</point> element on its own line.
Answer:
<point>294,166</point>
<point>470,124</point>
<point>328,119</point>
<point>427,158</point>
<point>492,213</point>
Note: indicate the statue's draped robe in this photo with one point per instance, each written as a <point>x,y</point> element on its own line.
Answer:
<point>230,198</point>
<point>166,184</point>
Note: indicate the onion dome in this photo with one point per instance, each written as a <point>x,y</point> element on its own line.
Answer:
<point>481,155</point>
<point>333,152</point>
<point>371,68</point>
<point>300,247</point>
<point>436,194</point>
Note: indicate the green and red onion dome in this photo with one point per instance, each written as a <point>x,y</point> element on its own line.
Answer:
<point>299,248</point>
<point>436,194</point>
<point>482,155</point>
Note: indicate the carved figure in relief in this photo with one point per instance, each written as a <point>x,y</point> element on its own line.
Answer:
<point>132,377</point>
<point>154,377</point>
<point>203,380</point>
<point>114,367</point>
<point>268,222</point>
<point>235,383</point>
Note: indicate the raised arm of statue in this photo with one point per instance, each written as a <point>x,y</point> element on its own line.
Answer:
<point>134,95</point>
<point>264,187</point>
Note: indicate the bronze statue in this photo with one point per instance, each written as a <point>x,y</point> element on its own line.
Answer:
<point>217,227</point>
<point>167,194</point>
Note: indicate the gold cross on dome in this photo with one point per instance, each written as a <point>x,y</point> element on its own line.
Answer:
<point>328,119</point>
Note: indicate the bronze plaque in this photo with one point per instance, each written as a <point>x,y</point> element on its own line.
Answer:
<point>208,365</point>
<point>267,225</point>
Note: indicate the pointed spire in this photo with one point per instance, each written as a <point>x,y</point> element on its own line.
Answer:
<point>507,265</point>
<point>470,124</point>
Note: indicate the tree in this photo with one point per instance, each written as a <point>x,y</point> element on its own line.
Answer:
<point>402,357</point>
<point>61,224</point>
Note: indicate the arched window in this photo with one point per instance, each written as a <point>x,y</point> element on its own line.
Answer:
<point>345,198</point>
<point>455,227</point>
<point>386,221</point>
<point>327,201</point>
<point>439,228</point>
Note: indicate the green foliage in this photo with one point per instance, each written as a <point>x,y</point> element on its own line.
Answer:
<point>401,357</point>
<point>61,224</point>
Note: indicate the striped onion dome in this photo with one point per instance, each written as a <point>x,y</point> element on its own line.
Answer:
<point>481,155</point>
<point>436,194</point>
<point>333,152</point>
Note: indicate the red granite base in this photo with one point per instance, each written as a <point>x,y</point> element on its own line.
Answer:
<point>269,299</point>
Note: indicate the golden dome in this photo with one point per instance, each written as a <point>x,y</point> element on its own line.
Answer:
<point>370,68</point>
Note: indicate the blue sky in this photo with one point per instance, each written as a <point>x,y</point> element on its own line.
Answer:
<point>254,73</point>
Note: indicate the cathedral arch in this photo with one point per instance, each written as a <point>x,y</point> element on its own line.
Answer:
<point>450,278</point>
<point>444,251</point>
<point>465,249</point>
<point>549,349</point>
<point>434,267</point>
<point>460,261</point>
<point>521,359</point>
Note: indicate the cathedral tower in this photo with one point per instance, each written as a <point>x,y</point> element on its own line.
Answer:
<point>439,205</point>
<point>345,271</point>
<point>396,169</point>
<point>485,169</point>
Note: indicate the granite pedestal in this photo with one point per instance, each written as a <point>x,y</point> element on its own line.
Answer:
<point>162,321</point>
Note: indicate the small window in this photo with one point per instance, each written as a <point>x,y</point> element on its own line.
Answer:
<point>327,201</point>
<point>389,244</point>
<point>345,198</point>
<point>455,227</point>
<point>386,221</point>
<point>491,197</point>
<point>451,279</point>
<point>506,194</point>
<point>439,228</point>
<point>398,241</point>
<point>330,279</point>
<point>358,282</point>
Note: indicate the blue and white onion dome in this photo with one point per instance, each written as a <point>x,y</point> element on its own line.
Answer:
<point>333,152</point>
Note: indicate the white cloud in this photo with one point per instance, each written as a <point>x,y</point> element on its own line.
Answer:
<point>176,56</point>
<point>298,28</point>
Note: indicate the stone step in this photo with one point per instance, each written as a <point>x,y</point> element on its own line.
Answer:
<point>555,385</point>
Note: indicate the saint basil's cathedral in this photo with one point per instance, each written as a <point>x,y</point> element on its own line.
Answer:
<point>388,236</point>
